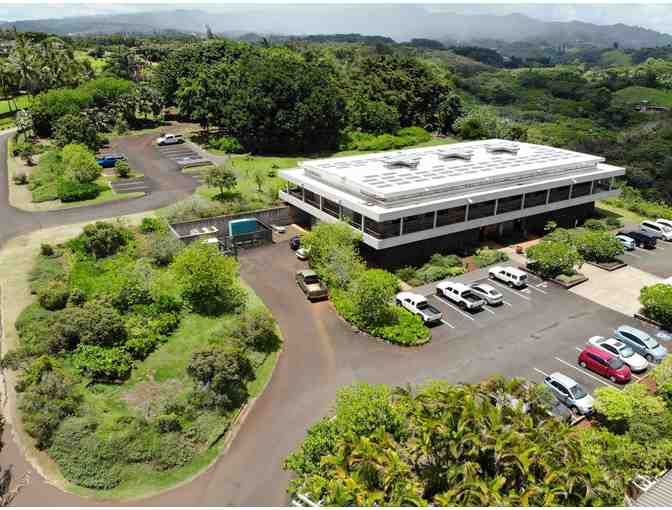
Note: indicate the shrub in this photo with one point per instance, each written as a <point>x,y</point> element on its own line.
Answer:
<point>151,224</point>
<point>256,330</point>
<point>614,222</point>
<point>46,250</point>
<point>594,224</point>
<point>122,169</point>
<point>54,295</point>
<point>77,297</point>
<point>371,294</point>
<point>222,377</point>
<point>163,248</point>
<point>194,208</point>
<point>79,164</point>
<point>94,323</point>
<point>69,191</point>
<point>20,178</point>
<point>75,129</point>
<point>486,257</point>
<point>553,258</point>
<point>656,303</point>
<point>227,144</point>
<point>45,270</point>
<point>165,423</point>
<point>102,239</point>
<point>173,450</point>
<point>209,281</point>
<point>597,245</point>
<point>134,287</point>
<point>102,364</point>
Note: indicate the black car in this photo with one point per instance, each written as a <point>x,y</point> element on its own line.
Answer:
<point>295,243</point>
<point>641,239</point>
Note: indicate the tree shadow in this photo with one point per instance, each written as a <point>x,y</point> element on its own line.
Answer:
<point>227,196</point>
<point>9,488</point>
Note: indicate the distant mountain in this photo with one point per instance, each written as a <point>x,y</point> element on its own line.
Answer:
<point>401,22</point>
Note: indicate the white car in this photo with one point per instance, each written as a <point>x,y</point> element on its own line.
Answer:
<point>658,230</point>
<point>509,275</point>
<point>668,281</point>
<point>487,293</point>
<point>570,393</point>
<point>417,304</point>
<point>636,362</point>
<point>302,253</point>
<point>460,294</point>
<point>664,222</point>
<point>169,139</point>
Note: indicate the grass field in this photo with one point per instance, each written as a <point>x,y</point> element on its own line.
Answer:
<point>98,64</point>
<point>653,96</point>
<point>21,102</point>
<point>615,58</point>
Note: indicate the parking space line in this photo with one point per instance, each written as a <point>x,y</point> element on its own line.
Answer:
<point>511,290</point>
<point>488,310</point>
<point>659,247</point>
<point>538,290</point>
<point>629,254</point>
<point>578,369</point>
<point>635,377</point>
<point>448,324</point>
<point>540,371</point>
<point>579,349</point>
<point>445,301</point>
<point>643,250</point>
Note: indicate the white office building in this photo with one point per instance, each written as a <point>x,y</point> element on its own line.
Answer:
<point>418,201</point>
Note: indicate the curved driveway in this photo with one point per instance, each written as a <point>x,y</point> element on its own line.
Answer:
<point>166,185</point>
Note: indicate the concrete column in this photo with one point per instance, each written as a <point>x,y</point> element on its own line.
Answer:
<point>548,196</point>
<point>340,211</point>
<point>496,207</point>
<point>362,223</point>
<point>320,202</point>
<point>466,213</point>
<point>303,194</point>
<point>571,190</point>
<point>592,186</point>
<point>611,183</point>
<point>401,226</point>
<point>436,214</point>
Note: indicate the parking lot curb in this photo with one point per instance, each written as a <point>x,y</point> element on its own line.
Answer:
<point>566,286</point>
<point>646,319</point>
<point>620,265</point>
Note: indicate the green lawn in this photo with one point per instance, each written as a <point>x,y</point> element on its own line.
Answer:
<point>654,96</point>
<point>623,214</point>
<point>98,64</point>
<point>21,102</point>
<point>615,58</point>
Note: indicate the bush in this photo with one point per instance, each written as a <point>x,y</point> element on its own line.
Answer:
<point>153,225</point>
<point>44,271</point>
<point>256,330</point>
<point>597,245</point>
<point>173,450</point>
<point>163,248</point>
<point>359,141</point>
<point>228,144</point>
<point>371,294</point>
<point>69,191</point>
<point>75,128</point>
<point>77,297</point>
<point>165,423</point>
<point>656,303</point>
<point>20,178</point>
<point>46,250</point>
<point>93,323</point>
<point>614,222</point>
<point>102,364</point>
<point>122,169</point>
<point>594,224</point>
<point>209,280</point>
<point>102,239</point>
<point>553,258</point>
<point>486,257</point>
<point>438,268</point>
<point>54,295</point>
<point>194,208</point>
<point>79,164</point>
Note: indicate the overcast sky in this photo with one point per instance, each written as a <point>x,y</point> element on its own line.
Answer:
<point>654,16</point>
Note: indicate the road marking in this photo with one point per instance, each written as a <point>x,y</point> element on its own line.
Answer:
<point>659,247</point>
<point>579,369</point>
<point>630,254</point>
<point>506,303</point>
<point>579,349</point>
<point>488,310</point>
<point>511,290</point>
<point>538,290</point>
<point>540,371</point>
<point>445,301</point>
<point>643,250</point>
<point>448,324</point>
<point>636,377</point>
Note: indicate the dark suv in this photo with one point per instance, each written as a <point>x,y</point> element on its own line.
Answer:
<point>641,239</point>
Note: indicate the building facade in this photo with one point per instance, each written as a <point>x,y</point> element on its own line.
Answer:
<point>412,203</point>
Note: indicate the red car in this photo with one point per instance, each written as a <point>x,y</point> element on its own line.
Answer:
<point>605,364</point>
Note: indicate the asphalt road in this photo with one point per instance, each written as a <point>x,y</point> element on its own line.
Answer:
<point>165,182</point>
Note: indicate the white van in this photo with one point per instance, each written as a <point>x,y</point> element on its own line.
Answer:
<point>656,229</point>
<point>664,222</point>
<point>509,275</point>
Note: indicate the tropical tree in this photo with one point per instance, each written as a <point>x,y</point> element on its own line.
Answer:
<point>222,177</point>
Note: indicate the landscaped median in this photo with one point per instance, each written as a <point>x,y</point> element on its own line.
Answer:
<point>363,297</point>
<point>136,358</point>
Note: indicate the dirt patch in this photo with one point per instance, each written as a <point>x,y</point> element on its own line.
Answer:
<point>147,396</point>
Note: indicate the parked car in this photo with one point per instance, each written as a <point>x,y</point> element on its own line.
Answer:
<point>169,139</point>
<point>417,304</point>
<point>642,239</point>
<point>668,281</point>
<point>510,275</point>
<point>310,284</point>
<point>657,230</point>
<point>663,221</point>
<point>641,343</point>
<point>635,361</point>
<point>487,293</point>
<point>109,160</point>
<point>627,242</point>
<point>606,364</point>
<point>295,243</point>
<point>303,253</point>
<point>570,393</point>
<point>460,294</point>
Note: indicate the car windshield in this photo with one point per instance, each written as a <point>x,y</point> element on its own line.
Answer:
<point>578,392</point>
<point>626,352</point>
<point>649,342</point>
<point>615,363</point>
<point>422,305</point>
<point>311,279</point>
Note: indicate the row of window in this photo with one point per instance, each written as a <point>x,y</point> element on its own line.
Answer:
<point>426,221</point>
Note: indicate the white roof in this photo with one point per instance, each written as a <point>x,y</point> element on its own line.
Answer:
<point>398,175</point>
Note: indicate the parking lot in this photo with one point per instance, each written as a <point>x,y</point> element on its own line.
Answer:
<point>183,154</point>
<point>538,330</point>
<point>656,261</point>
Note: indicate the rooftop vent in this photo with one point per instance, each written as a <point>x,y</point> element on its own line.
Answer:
<point>406,161</point>
<point>503,147</point>
<point>455,154</point>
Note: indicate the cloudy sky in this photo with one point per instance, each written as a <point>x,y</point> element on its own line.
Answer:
<point>654,16</point>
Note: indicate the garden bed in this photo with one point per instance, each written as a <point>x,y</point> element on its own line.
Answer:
<point>571,280</point>
<point>608,266</point>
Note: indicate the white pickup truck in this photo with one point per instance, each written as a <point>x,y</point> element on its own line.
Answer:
<point>418,305</point>
<point>169,139</point>
<point>510,275</point>
<point>460,294</point>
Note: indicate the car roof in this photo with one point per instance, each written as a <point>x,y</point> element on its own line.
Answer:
<point>457,285</point>
<point>485,286</point>
<point>410,294</point>
<point>514,270</point>
<point>623,235</point>
<point>599,352</point>
<point>614,343</point>
<point>563,379</point>
<point>634,331</point>
<point>113,155</point>
<point>306,272</point>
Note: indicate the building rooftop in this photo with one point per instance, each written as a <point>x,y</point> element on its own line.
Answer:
<point>405,174</point>
<point>658,495</point>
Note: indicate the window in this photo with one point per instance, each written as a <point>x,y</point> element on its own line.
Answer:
<point>509,204</point>
<point>296,191</point>
<point>312,198</point>
<point>451,216</point>
<point>330,207</point>
<point>559,194</point>
<point>481,210</point>
<point>383,229</point>
<point>581,189</point>
<point>536,198</point>
<point>602,185</point>
<point>352,217</point>
<point>418,222</point>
